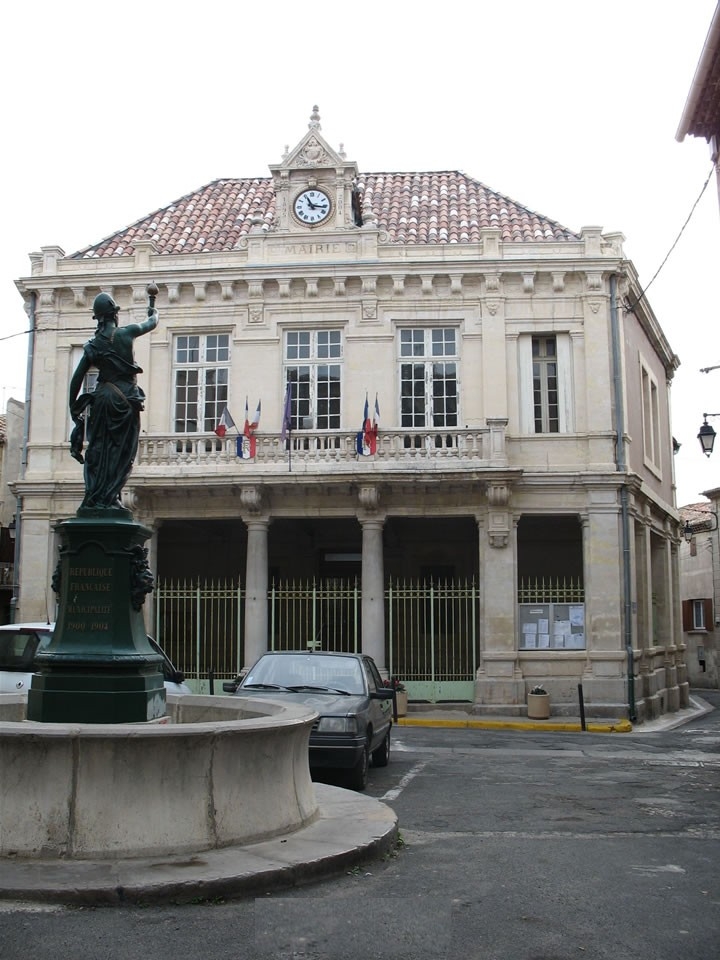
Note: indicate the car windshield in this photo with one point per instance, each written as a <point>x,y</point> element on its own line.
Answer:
<point>307,672</point>
<point>18,649</point>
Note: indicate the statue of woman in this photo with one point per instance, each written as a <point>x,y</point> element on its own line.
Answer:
<point>109,417</point>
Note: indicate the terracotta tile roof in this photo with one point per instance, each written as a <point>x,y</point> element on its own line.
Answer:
<point>696,513</point>
<point>414,208</point>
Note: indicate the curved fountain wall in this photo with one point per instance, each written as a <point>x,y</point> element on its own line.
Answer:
<point>218,771</point>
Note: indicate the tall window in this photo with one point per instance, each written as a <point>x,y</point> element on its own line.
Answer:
<point>202,371</point>
<point>313,365</point>
<point>651,418</point>
<point>698,611</point>
<point>545,385</point>
<point>428,377</point>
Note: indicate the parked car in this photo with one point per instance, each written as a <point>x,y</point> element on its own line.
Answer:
<point>346,689</point>
<point>21,642</point>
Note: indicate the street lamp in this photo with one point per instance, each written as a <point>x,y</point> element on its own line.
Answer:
<point>706,525</point>
<point>706,435</point>
<point>12,529</point>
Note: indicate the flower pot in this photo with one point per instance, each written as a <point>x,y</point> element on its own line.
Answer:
<point>538,706</point>
<point>402,702</point>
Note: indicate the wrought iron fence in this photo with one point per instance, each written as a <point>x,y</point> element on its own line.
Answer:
<point>315,614</point>
<point>431,627</point>
<point>550,590</point>
<point>199,625</point>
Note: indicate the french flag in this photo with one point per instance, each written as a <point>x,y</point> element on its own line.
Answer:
<point>247,444</point>
<point>366,440</point>
<point>225,423</point>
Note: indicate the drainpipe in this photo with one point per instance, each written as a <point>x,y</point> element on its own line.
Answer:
<point>621,467</point>
<point>23,460</point>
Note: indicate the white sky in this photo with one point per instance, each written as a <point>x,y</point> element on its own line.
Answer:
<point>114,110</point>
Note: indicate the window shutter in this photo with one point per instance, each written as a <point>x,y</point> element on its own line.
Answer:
<point>687,617</point>
<point>565,381</point>
<point>525,373</point>
<point>709,619</point>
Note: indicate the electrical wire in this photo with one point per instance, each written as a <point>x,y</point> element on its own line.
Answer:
<point>644,290</point>
<point>11,336</point>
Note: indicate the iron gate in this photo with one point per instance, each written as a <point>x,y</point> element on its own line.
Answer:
<point>431,641</point>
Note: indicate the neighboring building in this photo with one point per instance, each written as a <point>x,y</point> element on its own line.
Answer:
<point>699,560</point>
<point>701,116</point>
<point>11,434</point>
<point>516,524</point>
<point>699,584</point>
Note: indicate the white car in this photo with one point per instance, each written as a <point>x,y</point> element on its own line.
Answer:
<point>20,642</point>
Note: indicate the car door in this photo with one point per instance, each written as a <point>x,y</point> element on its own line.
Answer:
<point>380,710</point>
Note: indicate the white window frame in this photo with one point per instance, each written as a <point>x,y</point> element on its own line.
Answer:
<point>319,355</point>
<point>650,408</point>
<point>698,615</point>
<point>428,359</point>
<point>208,408</point>
<point>566,406</point>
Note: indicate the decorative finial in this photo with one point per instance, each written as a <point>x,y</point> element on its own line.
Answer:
<point>314,119</point>
<point>341,152</point>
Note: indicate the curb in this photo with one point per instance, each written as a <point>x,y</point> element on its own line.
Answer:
<point>569,726</point>
<point>351,829</point>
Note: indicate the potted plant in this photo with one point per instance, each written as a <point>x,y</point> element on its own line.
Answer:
<point>538,703</point>
<point>401,697</point>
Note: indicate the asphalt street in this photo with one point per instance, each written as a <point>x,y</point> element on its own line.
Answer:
<point>515,846</point>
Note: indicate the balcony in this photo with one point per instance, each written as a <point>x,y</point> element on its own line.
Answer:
<point>310,450</point>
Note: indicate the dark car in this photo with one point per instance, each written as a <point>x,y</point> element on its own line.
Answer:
<point>346,689</point>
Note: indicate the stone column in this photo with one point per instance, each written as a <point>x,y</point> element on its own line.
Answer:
<point>256,589</point>
<point>373,578</point>
<point>499,685</point>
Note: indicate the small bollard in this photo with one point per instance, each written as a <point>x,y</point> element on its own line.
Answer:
<point>211,680</point>
<point>582,707</point>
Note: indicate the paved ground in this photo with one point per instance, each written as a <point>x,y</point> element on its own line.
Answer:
<point>351,829</point>
<point>515,845</point>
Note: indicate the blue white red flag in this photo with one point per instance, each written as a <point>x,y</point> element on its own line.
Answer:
<point>225,423</point>
<point>360,445</point>
<point>247,444</point>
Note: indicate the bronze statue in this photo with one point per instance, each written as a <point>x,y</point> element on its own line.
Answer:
<point>109,417</point>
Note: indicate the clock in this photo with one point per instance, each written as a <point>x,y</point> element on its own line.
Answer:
<point>312,206</point>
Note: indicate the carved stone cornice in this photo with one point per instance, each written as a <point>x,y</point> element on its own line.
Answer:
<point>369,497</point>
<point>252,499</point>
<point>498,494</point>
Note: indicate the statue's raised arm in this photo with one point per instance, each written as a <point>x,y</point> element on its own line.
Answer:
<point>108,419</point>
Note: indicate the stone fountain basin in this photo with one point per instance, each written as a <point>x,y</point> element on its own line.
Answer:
<point>217,771</point>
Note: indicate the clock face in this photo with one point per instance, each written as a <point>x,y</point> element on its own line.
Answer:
<point>312,206</point>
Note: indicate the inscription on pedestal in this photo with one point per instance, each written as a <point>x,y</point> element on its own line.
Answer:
<point>87,589</point>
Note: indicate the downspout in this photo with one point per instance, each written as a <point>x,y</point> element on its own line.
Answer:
<point>23,459</point>
<point>621,467</point>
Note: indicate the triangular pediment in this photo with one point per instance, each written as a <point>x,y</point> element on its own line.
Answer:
<point>312,152</point>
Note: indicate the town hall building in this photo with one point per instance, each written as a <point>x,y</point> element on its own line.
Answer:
<point>396,412</point>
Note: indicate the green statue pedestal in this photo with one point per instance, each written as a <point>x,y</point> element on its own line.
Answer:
<point>99,666</point>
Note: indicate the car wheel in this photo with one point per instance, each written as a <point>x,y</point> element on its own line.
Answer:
<point>358,776</point>
<point>381,756</point>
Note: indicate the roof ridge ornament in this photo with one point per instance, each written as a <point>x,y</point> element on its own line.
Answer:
<point>315,119</point>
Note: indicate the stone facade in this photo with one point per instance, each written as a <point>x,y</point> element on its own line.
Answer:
<point>523,381</point>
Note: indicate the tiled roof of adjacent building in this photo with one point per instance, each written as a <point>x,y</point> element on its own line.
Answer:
<point>696,513</point>
<point>413,208</point>
<point>3,428</point>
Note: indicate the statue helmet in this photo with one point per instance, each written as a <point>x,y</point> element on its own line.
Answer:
<point>104,307</point>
